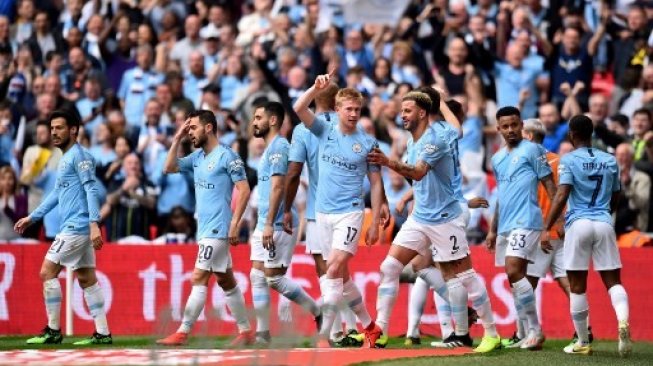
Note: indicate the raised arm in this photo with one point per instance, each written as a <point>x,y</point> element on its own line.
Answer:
<point>171,164</point>
<point>451,118</point>
<point>304,101</point>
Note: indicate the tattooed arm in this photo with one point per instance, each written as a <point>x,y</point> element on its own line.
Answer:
<point>414,172</point>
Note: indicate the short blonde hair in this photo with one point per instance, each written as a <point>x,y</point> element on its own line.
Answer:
<point>421,99</point>
<point>348,94</point>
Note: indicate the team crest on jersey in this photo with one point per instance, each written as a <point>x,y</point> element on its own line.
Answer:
<point>430,148</point>
<point>357,148</point>
<point>275,158</point>
<point>211,165</point>
<point>84,165</point>
<point>515,160</point>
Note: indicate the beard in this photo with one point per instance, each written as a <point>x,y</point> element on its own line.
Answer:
<point>260,132</point>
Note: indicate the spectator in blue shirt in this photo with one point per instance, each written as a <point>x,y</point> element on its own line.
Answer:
<point>90,107</point>
<point>195,80</point>
<point>556,129</point>
<point>355,53</point>
<point>514,78</point>
<point>138,86</point>
<point>175,190</point>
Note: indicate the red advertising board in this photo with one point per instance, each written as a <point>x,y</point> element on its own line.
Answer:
<point>146,288</point>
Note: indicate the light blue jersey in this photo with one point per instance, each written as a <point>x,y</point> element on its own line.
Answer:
<point>342,163</point>
<point>76,191</point>
<point>435,202</point>
<point>518,173</point>
<point>304,149</point>
<point>136,88</point>
<point>593,176</point>
<point>274,162</point>
<point>451,134</point>
<point>215,175</point>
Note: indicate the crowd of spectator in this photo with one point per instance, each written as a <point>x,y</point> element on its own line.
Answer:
<point>132,70</point>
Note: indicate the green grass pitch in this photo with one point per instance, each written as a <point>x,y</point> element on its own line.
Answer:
<point>605,352</point>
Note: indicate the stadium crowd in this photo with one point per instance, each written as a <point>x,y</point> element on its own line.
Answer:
<point>132,70</point>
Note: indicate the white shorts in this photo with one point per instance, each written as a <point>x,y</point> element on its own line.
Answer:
<point>213,255</point>
<point>554,260</point>
<point>463,219</point>
<point>72,251</point>
<point>444,242</point>
<point>339,231</point>
<point>587,239</point>
<point>312,238</point>
<point>520,243</point>
<point>280,256</point>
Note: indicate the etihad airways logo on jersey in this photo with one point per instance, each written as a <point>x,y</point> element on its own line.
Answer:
<point>339,161</point>
<point>202,184</point>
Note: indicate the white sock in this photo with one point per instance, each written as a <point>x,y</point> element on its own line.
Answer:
<point>336,329</point>
<point>194,307</point>
<point>416,303</point>
<point>293,292</point>
<point>619,302</point>
<point>387,291</point>
<point>95,302</point>
<point>521,323</point>
<point>579,312</point>
<point>349,317</point>
<point>444,314</point>
<point>236,304</point>
<point>458,302</point>
<point>434,278</point>
<point>355,301</point>
<point>52,298</point>
<point>332,292</point>
<point>260,299</point>
<point>526,298</point>
<point>480,300</point>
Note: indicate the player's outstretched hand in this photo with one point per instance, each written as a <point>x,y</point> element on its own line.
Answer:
<point>96,236</point>
<point>287,222</point>
<point>268,237</point>
<point>478,202</point>
<point>545,242</point>
<point>376,156</point>
<point>491,241</point>
<point>372,235</point>
<point>322,81</point>
<point>22,224</point>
